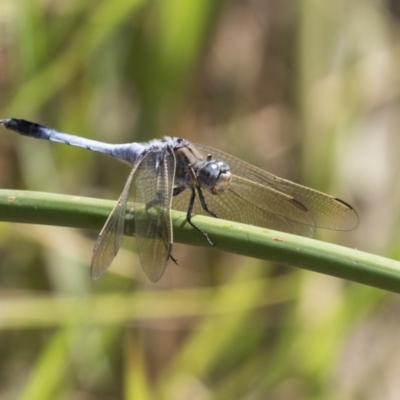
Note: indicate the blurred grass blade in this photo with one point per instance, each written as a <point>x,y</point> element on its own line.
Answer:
<point>136,384</point>
<point>52,364</point>
<point>86,40</point>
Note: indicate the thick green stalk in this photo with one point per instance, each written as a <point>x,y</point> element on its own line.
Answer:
<point>327,258</point>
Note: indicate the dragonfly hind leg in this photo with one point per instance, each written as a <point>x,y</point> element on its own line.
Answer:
<point>175,260</point>
<point>155,202</point>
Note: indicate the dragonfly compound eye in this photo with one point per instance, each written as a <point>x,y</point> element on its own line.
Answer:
<point>224,178</point>
<point>215,176</point>
<point>208,175</point>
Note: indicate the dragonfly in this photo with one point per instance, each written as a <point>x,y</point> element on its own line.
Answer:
<point>173,173</point>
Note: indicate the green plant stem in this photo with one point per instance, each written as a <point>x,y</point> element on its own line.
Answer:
<point>314,255</point>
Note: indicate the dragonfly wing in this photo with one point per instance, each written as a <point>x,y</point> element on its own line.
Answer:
<point>268,193</point>
<point>110,238</point>
<point>250,204</point>
<point>153,224</point>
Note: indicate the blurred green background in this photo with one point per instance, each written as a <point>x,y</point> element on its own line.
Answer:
<point>307,90</point>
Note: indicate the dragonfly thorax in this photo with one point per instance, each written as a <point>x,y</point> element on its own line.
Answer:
<point>215,176</point>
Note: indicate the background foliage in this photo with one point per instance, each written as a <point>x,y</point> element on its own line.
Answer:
<point>308,90</point>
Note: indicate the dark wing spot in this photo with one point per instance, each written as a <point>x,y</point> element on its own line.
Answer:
<point>298,204</point>
<point>343,203</point>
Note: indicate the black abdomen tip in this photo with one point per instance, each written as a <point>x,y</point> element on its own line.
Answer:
<point>21,126</point>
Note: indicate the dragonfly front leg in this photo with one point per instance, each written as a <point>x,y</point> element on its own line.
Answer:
<point>200,193</point>
<point>189,217</point>
<point>204,203</point>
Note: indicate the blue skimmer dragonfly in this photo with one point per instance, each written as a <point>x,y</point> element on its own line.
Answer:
<point>175,173</point>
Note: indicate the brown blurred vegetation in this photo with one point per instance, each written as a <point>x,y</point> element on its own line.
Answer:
<point>307,90</point>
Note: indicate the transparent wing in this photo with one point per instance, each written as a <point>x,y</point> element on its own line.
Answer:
<point>110,238</point>
<point>153,225</point>
<point>259,198</point>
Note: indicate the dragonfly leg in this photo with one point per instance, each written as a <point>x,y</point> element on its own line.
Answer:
<point>173,259</point>
<point>204,203</point>
<point>178,190</point>
<point>155,202</point>
<point>170,256</point>
<point>189,218</point>
<point>200,193</point>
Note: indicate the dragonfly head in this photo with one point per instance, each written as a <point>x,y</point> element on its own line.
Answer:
<point>215,176</point>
